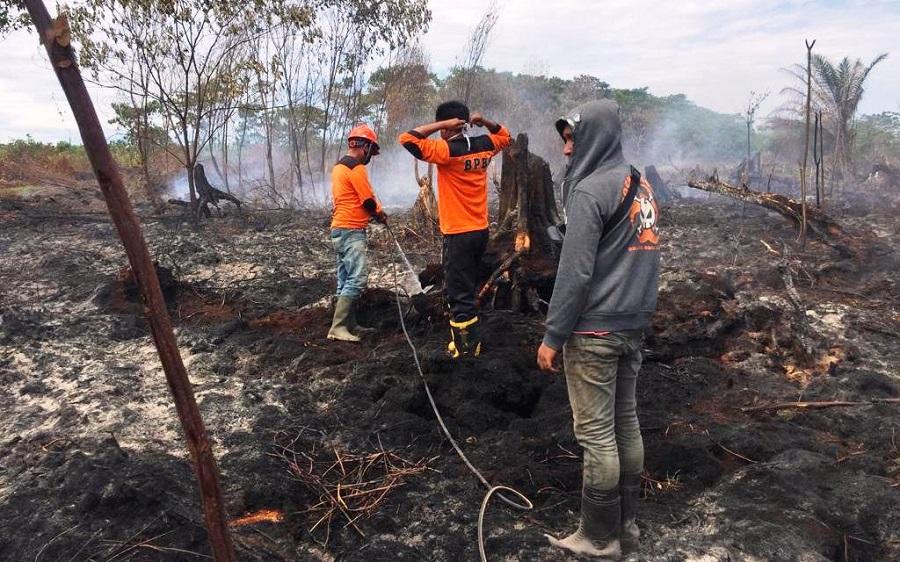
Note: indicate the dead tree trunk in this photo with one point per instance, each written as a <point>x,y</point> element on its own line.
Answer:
<point>527,257</point>
<point>660,188</point>
<point>55,35</point>
<point>207,194</point>
<point>526,199</point>
<point>424,210</point>
<point>818,158</point>
<point>818,223</point>
<point>805,169</point>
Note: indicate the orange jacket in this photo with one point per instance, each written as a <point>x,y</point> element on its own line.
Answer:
<point>350,189</point>
<point>462,175</point>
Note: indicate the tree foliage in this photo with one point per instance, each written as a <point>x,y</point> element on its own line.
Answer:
<point>837,90</point>
<point>298,67</point>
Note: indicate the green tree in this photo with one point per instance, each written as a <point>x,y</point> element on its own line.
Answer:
<point>841,88</point>
<point>877,137</point>
<point>401,93</point>
<point>837,91</point>
<point>142,134</point>
<point>187,56</point>
<point>12,16</point>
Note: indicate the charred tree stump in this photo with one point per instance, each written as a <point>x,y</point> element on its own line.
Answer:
<point>526,256</point>
<point>55,35</point>
<point>209,194</point>
<point>747,172</point>
<point>660,188</point>
<point>526,199</point>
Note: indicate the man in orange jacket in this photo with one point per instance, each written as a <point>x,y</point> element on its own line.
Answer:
<point>462,163</point>
<point>354,205</point>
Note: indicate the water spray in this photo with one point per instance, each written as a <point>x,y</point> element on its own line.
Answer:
<point>410,282</point>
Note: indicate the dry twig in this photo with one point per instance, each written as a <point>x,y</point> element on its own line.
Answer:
<point>351,485</point>
<point>818,405</point>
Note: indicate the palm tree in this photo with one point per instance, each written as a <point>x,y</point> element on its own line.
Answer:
<point>837,91</point>
<point>840,89</point>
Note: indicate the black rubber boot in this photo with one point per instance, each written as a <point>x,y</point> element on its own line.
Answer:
<point>598,533</point>
<point>630,490</point>
<point>465,338</point>
<point>353,324</point>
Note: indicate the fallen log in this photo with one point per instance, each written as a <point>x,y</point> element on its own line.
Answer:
<point>503,268</point>
<point>822,226</point>
<point>819,405</point>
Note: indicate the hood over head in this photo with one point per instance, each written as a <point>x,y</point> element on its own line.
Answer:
<point>597,131</point>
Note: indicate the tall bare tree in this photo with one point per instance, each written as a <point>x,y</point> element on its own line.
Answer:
<point>804,169</point>
<point>476,47</point>
<point>192,52</point>
<point>756,99</point>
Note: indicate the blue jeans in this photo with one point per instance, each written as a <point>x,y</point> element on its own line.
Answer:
<point>601,376</point>
<point>352,271</point>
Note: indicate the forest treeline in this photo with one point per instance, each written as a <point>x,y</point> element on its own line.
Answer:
<point>262,92</point>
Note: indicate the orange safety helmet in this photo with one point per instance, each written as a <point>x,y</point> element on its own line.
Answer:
<point>362,131</point>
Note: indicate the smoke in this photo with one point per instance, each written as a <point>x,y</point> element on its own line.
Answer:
<point>687,136</point>
<point>178,187</point>
<point>393,178</point>
<point>669,133</point>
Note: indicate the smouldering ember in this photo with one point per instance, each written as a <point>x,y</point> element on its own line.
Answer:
<point>261,516</point>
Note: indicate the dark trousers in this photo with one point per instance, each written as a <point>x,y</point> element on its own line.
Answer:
<point>462,271</point>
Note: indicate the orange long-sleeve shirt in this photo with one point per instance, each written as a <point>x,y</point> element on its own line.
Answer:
<point>350,188</point>
<point>462,175</point>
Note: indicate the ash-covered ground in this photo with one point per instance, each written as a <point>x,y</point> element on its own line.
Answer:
<point>93,465</point>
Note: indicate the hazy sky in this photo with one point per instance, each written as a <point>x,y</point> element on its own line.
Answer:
<point>714,55</point>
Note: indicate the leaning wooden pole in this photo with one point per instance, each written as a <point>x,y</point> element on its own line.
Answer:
<point>55,36</point>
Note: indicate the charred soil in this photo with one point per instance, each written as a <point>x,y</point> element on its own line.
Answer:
<point>93,466</point>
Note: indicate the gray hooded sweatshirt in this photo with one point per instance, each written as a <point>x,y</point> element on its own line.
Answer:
<point>609,285</point>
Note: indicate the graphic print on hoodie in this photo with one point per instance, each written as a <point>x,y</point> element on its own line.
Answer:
<point>609,285</point>
<point>644,216</point>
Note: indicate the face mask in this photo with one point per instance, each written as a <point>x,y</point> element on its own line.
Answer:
<point>463,134</point>
<point>368,154</point>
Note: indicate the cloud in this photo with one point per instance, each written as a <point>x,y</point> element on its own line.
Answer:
<point>715,54</point>
<point>31,100</point>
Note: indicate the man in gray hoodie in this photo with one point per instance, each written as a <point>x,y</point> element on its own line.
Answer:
<point>604,296</point>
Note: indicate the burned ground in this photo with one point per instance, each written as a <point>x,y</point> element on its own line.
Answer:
<point>93,467</point>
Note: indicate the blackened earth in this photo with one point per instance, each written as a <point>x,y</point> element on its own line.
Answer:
<point>93,465</point>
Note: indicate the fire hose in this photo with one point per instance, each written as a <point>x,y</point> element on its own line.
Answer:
<point>491,490</point>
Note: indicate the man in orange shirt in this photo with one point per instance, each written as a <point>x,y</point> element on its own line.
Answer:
<point>354,205</point>
<point>462,163</point>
